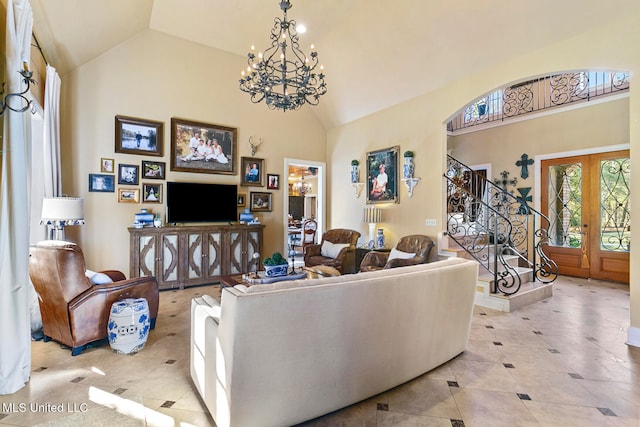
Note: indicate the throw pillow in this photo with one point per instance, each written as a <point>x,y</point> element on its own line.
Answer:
<point>97,278</point>
<point>331,250</point>
<point>400,254</point>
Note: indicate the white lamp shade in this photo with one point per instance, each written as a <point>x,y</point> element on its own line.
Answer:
<point>372,215</point>
<point>62,209</point>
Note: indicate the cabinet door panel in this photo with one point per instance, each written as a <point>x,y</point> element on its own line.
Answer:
<point>147,259</point>
<point>236,252</point>
<point>214,254</point>
<point>253,247</point>
<point>169,258</point>
<point>196,254</point>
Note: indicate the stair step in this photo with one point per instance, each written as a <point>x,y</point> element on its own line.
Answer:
<point>529,293</point>
<point>525,273</point>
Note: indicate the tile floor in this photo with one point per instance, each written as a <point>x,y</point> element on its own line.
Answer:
<point>559,362</point>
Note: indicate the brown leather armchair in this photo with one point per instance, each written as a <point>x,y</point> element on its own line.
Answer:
<point>345,259</point>
<point>417,244</point>
<point>75,312</point>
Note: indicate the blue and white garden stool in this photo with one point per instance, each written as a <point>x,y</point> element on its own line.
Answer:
<point>129,325</point>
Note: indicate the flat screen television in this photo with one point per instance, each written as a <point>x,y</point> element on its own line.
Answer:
<point>199,202</point>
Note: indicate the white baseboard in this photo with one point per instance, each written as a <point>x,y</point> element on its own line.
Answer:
<point>633,336</point>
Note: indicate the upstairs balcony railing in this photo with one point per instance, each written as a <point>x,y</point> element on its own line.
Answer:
<point>491,224</point>
<point>539,94</point>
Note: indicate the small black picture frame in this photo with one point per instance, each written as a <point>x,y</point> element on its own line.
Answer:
<point>153,170</point>
<point>128,174</point>
<point>273,181</point>
<point>101,183</point>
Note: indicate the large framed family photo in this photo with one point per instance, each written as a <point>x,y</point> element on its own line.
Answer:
<point>139,136</point>
<point>382,175</point>
<point>203,147</point>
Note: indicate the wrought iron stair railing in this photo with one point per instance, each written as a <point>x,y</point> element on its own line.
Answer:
<point>493,226</point>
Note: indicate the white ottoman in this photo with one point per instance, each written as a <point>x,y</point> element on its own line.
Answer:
<point>129,325</point>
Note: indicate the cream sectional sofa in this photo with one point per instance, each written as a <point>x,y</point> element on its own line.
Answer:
<point>282,353</point>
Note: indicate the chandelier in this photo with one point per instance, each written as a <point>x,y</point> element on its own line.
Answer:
<point>303,187</point>
<point>283,76</point>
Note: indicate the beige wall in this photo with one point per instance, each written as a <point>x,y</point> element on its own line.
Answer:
<point>154,76</point>
<point>419,125</point>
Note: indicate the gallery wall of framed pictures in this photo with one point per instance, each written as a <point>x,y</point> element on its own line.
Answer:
<point>195,147</point>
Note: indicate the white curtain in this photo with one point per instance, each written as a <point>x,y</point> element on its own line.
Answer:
<point>15,331</point>
<point>46,179</point>
<point>51,149</point>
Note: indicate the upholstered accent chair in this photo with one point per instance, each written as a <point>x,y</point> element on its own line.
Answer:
<point>74,310</point>
<point>410,250</point>
<point>337,249</point>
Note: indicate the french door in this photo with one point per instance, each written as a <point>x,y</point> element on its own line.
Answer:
<point>587,201</point>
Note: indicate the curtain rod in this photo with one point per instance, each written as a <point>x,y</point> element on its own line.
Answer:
<point>37,46</point>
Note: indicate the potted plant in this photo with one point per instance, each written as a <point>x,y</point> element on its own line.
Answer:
<point>275,265</point>
<point>355,171</point>
<point>407,169</point>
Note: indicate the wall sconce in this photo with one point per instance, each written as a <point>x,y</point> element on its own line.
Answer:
<point>357,188</point>
<point>411,184</point>
<point>23,103</point>
<point>60,211</point>
<point>372,216</point>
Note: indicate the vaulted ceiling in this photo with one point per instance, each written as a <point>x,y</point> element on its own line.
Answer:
<point>376,53</point>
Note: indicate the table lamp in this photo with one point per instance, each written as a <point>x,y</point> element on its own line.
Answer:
<point>372,216</point>
<point>60,211</point>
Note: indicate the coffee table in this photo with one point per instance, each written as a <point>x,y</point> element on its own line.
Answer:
<point>312,273</point>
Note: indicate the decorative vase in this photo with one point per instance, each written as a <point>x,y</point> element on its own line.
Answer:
<point>276,270</point>
<point>380,239</point>
<point>407,170</point>
<point>129,325</point>
<point>355,174</point>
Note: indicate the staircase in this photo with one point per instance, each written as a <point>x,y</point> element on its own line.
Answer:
<point>503,234</point>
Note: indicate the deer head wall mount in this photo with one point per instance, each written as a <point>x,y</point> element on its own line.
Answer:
<point>254,145</point>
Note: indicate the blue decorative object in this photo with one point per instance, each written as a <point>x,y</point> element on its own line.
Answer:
<point>276,270</point>
<point>380,239</point>
<point>129,325</point>
<point>355,173</point>
<point>408,167</point>
<point>246,216</point>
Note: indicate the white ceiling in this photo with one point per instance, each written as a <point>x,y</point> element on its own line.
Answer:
<point>376,53</point>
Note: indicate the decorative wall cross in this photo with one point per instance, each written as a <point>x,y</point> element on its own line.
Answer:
<point>524,163</point>
<point>523,198</point>
<point>504,181</point>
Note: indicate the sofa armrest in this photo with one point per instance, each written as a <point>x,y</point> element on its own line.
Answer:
<point>209,307</point>
<point>114,275</point>
<point>374,259</point>
<point>139,287</point>
<point>400,262</point>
